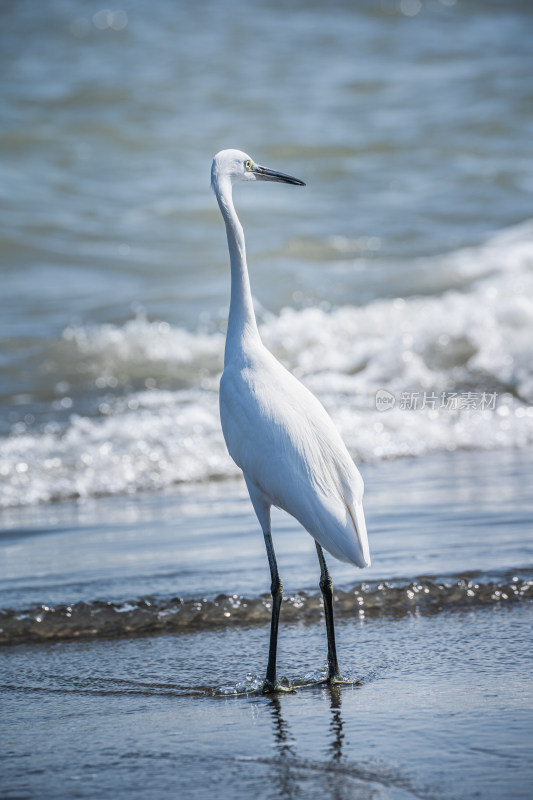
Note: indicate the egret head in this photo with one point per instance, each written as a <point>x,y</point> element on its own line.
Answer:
<point>234,165</point>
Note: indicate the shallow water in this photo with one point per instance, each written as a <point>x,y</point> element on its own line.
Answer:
<point>118,710</point>
<point>444,711</point>
<point>442,516</point>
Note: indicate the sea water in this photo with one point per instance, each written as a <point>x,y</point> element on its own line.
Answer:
<point>397,285</point>
<point>404,267</point>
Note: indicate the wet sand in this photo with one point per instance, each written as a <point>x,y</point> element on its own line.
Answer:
<point>444,709</point>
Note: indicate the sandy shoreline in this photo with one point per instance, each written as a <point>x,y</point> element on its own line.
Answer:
<point>445,709</point>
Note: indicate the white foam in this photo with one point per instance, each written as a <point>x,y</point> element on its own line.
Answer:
<point>168,438</point>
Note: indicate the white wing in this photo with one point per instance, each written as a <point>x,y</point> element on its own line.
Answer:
<point>282,438</point>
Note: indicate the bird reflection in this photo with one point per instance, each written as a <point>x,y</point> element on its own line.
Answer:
<point>281,730</point>
<point>289,764</point>
<point>335,724</point>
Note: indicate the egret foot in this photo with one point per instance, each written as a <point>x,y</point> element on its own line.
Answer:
<point>332,680</point>
<point>336,680</point>
<point>277,688</point>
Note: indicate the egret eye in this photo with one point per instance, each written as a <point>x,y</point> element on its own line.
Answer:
<point>248,165</point>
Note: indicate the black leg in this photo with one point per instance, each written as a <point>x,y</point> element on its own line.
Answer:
<point>276,589</point>
<point>327,593</point>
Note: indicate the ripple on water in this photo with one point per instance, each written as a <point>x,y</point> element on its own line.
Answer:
<point>393,598</point>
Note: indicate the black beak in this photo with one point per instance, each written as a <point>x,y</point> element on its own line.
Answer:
<point>264,174</point>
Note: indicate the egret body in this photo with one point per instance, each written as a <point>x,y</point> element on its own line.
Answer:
<point>277,432</point>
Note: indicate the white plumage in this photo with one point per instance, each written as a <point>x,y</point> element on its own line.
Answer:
<point>290,452</point>
<point>276,431</point>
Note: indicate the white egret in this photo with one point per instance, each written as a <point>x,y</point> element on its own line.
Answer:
<point>278,433</point>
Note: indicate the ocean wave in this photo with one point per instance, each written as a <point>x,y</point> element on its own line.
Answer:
<point>454,368</point>
<point>147,441</point>
<point>398,598</point>
<point>141,349</point>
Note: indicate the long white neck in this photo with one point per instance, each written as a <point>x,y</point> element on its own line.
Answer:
<point>242,325</point>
